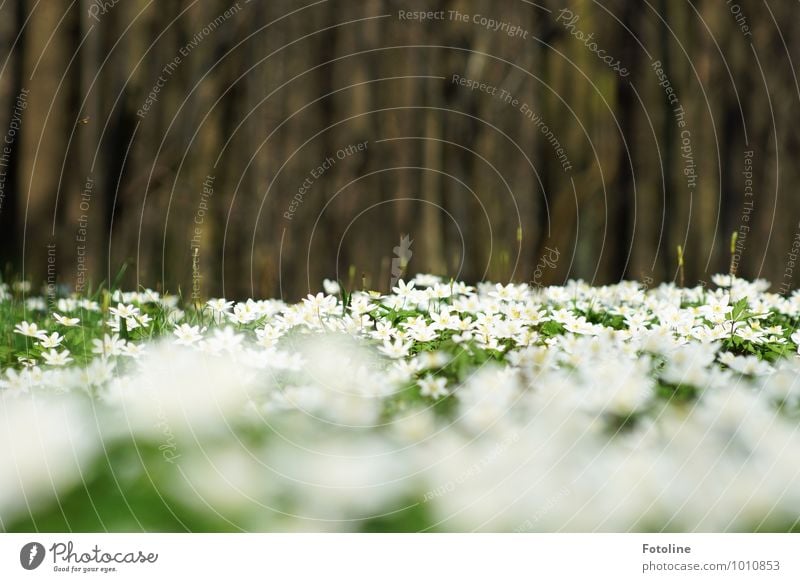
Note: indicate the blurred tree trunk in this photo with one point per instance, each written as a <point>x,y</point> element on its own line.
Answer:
<point>49,74</point>
<point>12,42</point>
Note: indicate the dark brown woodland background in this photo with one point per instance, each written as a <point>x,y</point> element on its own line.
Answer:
<point>268,94</point>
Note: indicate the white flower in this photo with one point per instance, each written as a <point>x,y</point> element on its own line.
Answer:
<point>402,371</point>
<point>98,372</point>
<point>320,303</point>
<point>188,334</point>
<point>433,387</point>
<point>360,303</point>
<point>487,397</point>
<point>175,315</point>
<point>16,382</point>
<point>426,280</point>
<point>284,360</point>
<point>716,308</point>
<point>445,320</point>
<point>245,312</point>
<point>108,346</point>
<point>133,350</point>
<point>440,291</point>
<point>149,296</point>
<point>746,365</point>
<point>219,305</point>
<point>504,292</point>
<point>136,321</point>
<point>29,330</point>
<point>26,361</point>
<point>268,336</point>
<point>403,290</point>
<point>331,287</point>
<point>431,360</point>
<point>383,331</point>
<point>124,311</point>
<point>749,334</point>
<point>56,358</point>
<point>423,334</point>
<point>66,321</point>
<point>51,341</point>
<point>721,280</point>
<point>396,349</point>
<point>796,340</point>
<point>87,305</point>
<point>225,340</point>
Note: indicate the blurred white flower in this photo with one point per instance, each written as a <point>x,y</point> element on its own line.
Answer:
<point>433,387</point>
<point>188,334</point>
<point>396,349</point>
<point>66,321</point>
<point>46,446</point>
<point>747,365</point>
<point>133,350</point>
<point>225,340</point>
<point>51,341</point>
<point>331,287</point>
<point>219,305</point>
<point>16,382</point>
<point>110,345</point>
<point>56,358</point>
